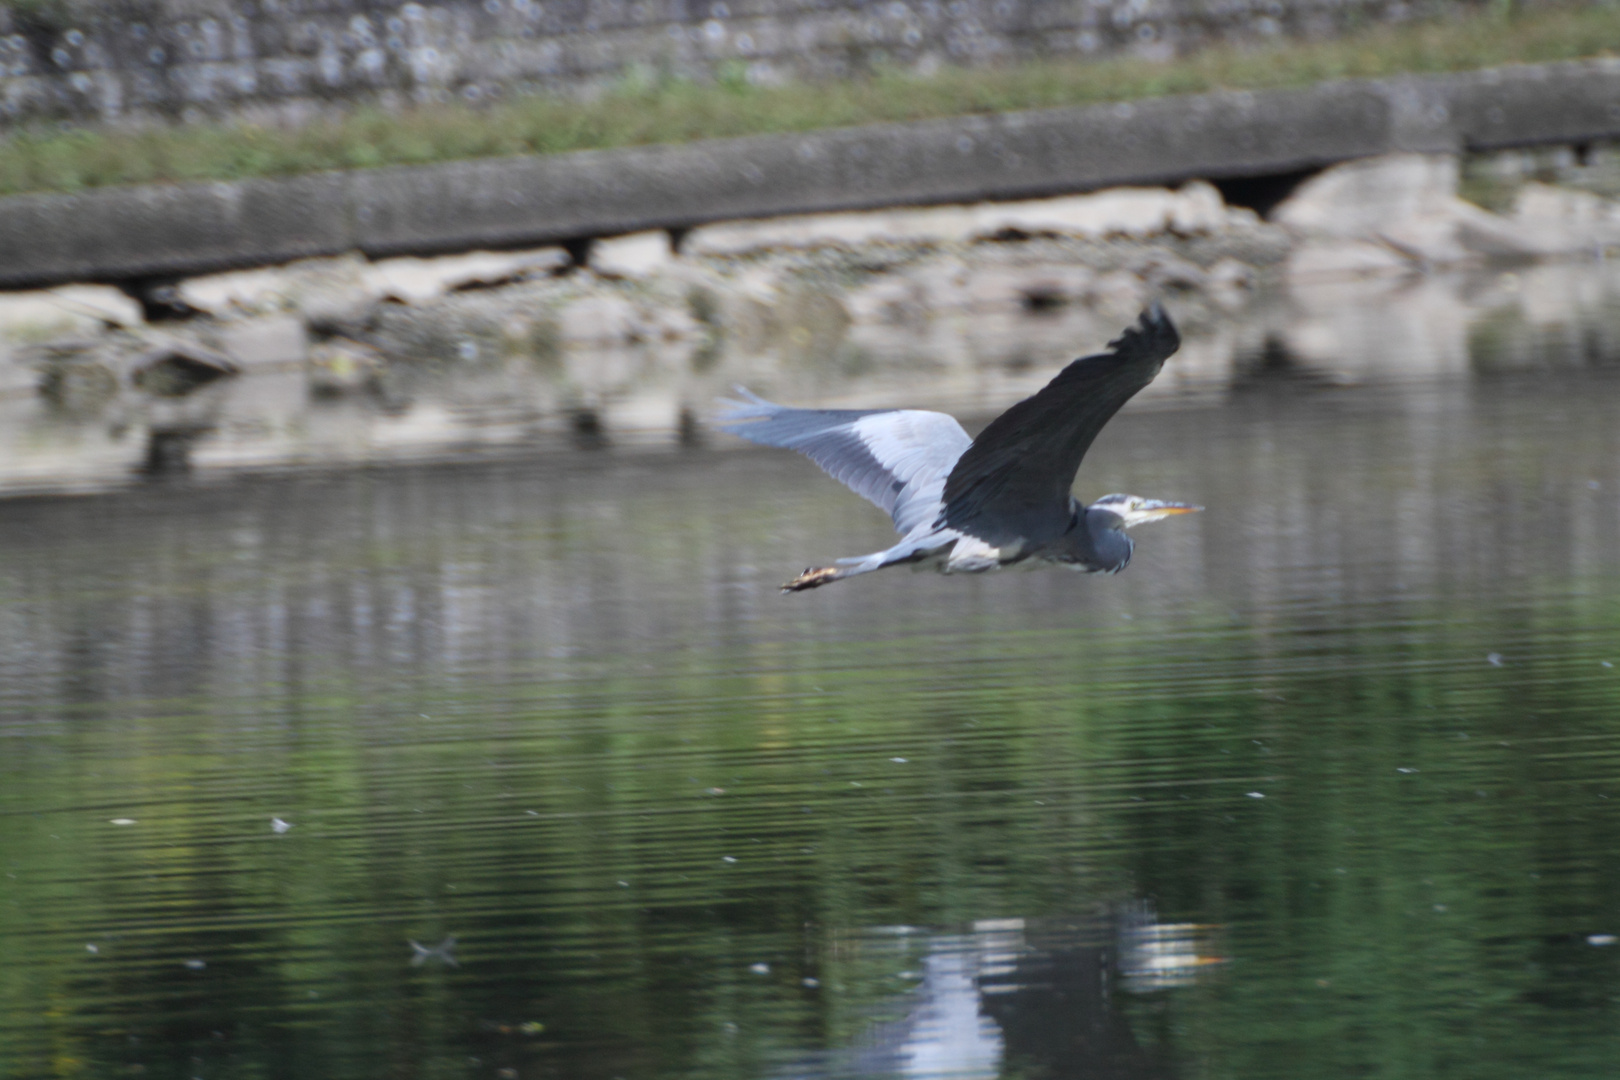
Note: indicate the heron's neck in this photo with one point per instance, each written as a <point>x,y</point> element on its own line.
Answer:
<point>1098,541</point>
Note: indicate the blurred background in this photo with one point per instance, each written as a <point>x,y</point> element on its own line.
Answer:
<point>393,675</point>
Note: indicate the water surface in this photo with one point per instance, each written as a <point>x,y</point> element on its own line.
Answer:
<point>1326,784</point>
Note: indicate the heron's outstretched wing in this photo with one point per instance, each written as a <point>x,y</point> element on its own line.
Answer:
<point>1013,482</point>
<point>897,458</point>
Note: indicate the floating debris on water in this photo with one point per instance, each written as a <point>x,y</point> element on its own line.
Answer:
<point>1256,795</point>
<point>1601,939</point>
<point>1494,659</point>
<point>122,821</point>
<point>196,965</point>
<point>760,969</point>
<point>278,826</point>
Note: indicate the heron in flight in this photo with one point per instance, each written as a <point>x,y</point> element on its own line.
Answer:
<point>971,505</point>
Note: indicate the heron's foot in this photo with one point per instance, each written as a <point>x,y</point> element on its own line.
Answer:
<point>814,576</point>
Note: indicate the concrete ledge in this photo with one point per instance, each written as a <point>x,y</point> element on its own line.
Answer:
<point>155,230</point>
<point>176,230</point>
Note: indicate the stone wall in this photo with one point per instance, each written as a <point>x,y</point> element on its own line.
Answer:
<point>102,60</point>
<point>150,233</point>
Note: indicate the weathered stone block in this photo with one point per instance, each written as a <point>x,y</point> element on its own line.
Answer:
<point>1360,198</point>
<point>633,256</point>
<point>265,342</point>
<point>415,280</point>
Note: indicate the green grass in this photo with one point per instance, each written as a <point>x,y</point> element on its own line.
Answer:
<point>637,113</point>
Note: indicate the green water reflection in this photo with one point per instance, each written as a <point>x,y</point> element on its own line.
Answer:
<point>1360,721</point>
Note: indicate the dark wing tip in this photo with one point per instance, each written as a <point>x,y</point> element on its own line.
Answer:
<point>1153,333</point>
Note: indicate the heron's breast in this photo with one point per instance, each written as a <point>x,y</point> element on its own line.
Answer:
<point>970,555</point>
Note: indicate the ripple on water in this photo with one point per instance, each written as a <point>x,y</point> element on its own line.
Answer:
<point>569,790</point>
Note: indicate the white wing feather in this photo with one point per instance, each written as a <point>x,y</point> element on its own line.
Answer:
<point>896,458</point>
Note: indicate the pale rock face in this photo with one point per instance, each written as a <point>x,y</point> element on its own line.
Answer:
<point>67,309</point>
<point>1568,219</point>
<point>1359,199</point>
<point>341,366</point>
<point>16,379</point>
<point>749,319</point>
<point>945,284</point>
<point>1135,212</point>
<point>1546,294</point>
<point>604,371</point>
<point>1377,215</point>
<point>176,367</point>
<point>1543,202</point>
<point>667,323</point>
<point>1191,211</point>
<point>1546,222</point>
<point>1017,287</point>
<point>809,324</point>
<point>1497,237</point>
<point>348,283</point>
<point>237,290</point>
<point>1345,258</point>
<point>309,285</point>
<point>1230,283</point>
<point>888,301</point>
<point>416,280</point>
<point>266,340</point>
<point>1407,204</point>
<point>1118,292</point>
<point>1199,210</point>
<point>1434,239</point>
<point>103,302</point>
<point>1381,214</point>
<point>1195,209</point>
<point>1333,334</point>
<point>1168,270</point>
<point>638,255</point>
<point>757,283</point>
<point>599,320</point>
<point>930,225</point>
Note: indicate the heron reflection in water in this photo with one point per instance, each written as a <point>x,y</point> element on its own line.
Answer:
<point>971,505</point>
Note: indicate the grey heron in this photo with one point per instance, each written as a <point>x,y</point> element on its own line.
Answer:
<point>971,505</point>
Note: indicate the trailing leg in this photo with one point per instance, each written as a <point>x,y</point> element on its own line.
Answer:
<point>914,549</point>
<point>816,576</point>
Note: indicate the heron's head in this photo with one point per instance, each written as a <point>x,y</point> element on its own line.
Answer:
<point>1135,510</point>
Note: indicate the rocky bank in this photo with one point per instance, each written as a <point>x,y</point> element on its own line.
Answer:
<point>343,360</point>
